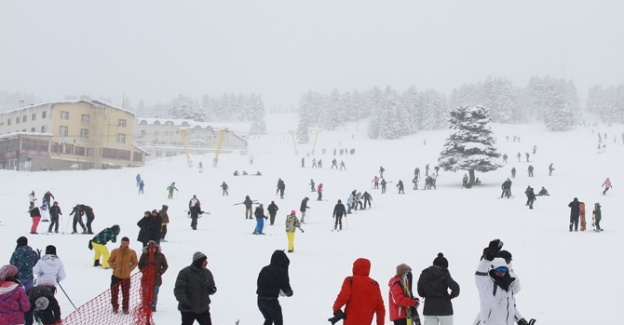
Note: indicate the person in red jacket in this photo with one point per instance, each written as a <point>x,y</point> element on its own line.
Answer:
<point>398,301</point>
<point>362,297</point>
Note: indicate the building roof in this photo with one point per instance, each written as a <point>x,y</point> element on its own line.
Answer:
<point>233,127</point>
<point>73,101</point>
<point>24,134</point>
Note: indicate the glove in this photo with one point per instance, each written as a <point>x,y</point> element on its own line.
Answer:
<point>39,252</point>
<point>492,250</point>
<point>417,303</point>
<point>523,322</point>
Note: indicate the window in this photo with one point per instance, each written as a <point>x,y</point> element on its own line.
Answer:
<point>121,138</point>
<point>44,114</point>
<point>169,123</point>
<point>121,123</point>
<point>137,156</point>
<point>80,151</point>
<point>85,118</point>
<point>158,153</point>
<point>84,133</point>
<point>43,129</point>
<point>56,147</point>
<point>17,120</point>
<point>69,149</point>
<point>9,122</point>
<point>64,115</point>
<point>32,130</point>
<point>34,117</point>
<point>156,123</point>
<point>24,119</point>
<point>143,122</point>
<point>63,131</point>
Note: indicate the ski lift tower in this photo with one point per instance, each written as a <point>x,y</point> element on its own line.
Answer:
<point>183,133</point>
<point>215,161</point>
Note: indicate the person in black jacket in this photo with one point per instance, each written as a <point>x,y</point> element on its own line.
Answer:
<point>575,212</point>
<point>433,285</point>
<point>303,208</point>
<point>43,306</point>
<point>272,208</point>
<point>156,229</point>
<point>78,212</point>
<point>273,281</point>
<point>193,288</point>
<point>146,225</point>
<point>55,211</point>
<point>339,212</point>
<point>90,217</point>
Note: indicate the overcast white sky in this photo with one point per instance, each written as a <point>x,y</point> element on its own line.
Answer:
<point>155,50</point>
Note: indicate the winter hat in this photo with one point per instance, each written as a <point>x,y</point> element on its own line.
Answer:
<point>154,211</point>
<point>55,202</point>
<point>7,271</point>
<point>293,212</point>
<point>165,207</point>
<point>440,261</point>
<point>42,303</point>
<point>402,269</point>
<point>50,249</point>
<point>22,241</point>
<point>199,256</point>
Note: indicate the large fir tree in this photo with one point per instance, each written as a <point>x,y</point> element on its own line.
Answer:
<point>471,147</point>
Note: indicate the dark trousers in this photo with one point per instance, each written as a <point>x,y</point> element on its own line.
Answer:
<point>367,201</point>
<point>163,232</point>
<point>89,222</point>
<point>401,322</point>
<point>272,217</point>
<point>125,292</point>
<point>271,311</point>
<point>338,222</point>
<point>53,223</point>
<point>574,221</point>
<point>78,221</point>
<point>188,318</point>
<point>194,217</point>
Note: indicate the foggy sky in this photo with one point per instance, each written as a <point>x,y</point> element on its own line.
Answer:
<point>155,50</point>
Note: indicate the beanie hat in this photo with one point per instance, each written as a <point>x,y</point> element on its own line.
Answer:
<point>199,256</point>
<point>55,203</point>
<point>50,249</point>
<point>7,271</point>
<point>42,303</point>
<point>440,261</point>
<point>293,212</point>
<point>22,241</point>
<point>402,269</point>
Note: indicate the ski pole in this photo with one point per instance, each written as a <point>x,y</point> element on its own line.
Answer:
<point>66,225</point>
<point>346,222</point>
<point>70,301</point>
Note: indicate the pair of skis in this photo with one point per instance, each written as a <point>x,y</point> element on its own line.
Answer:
<point>412,317</point>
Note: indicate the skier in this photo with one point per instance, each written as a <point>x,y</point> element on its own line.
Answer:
<point>427,170</point>
<point>292,223</point>
<point>55,211</point>
<point>417,172</point>
<point>334,164</point>
<point>304,207</point>
<point>349,203</point>
<point>339,212</point>
<point>170,189</point>
<point>90,217</point>
<point>534,149</point>
<point>496,291</point>
<point>281,186</point>
<point>543,192</point>
<point>505,158</point>
<point>530,170</point>
<point>273,281</point>
<point>550,169</point>
<point>302,162</point>
<point>433,286</point>
<point>314,163</point>
<point>519,156</point>
<point>141,187</point>
<point>195,211</point>
<point>138,179</point>
<point>375,182</point>
<point>78,212</point>
<point>312,186</point>
<point>272,208</point>
<point>527,156</point>
<point>342,165</point>
<point>574,214</point>
<point>506,187</point>
<point>436,169</point>
<point>383,186</point>
<point>513,172</point>
<point>367,200</point>
<point>319,190</point>
<point>49,269</point>
<point>24,258</point>
<point>320,163</point>
<point>607,185</point>
<point>401,187</point>
<point>381,171</point>
<point>98,243</point>
<point>35,215</point>
<point>399,302</point>
<point>224,188</point>
<point>597,216</point>
<point>259,214</point>
<point>530,193</point>
<point>415,181</point>
<point>363,303</point>
<point>248,204</point>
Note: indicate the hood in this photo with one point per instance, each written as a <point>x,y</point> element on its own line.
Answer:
<point>498,262</point>
<point>361,266</point>
<point>279,259</point>
<point>115,229</point>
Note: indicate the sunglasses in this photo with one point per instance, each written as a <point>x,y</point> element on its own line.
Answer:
<point>503,269</point>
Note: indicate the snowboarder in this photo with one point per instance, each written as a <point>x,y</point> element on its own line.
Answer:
<point>224,188</point>
<point>530,193</point>
<point>281,186</point>
<point>513,172</point>
<point>339,212</point>
<point>260,217</point>
<point>506,187</point>
<point>383,186</point>
<point>400,303</point>
<point>141,187</point>
<point>319,190</point>
<point>55,212</point>
<point>292,223</point>
<point>312,186</point>
<point>574,214</point>
<point>550,169</point>
<point>272,208</point>
<point>607,185</point>
<point>342,165</point>
<point>170,189</point>
<point>597,216</point>
<point>375,182</point>
<point>367,200</point>
<point>381,171</point>
<point>433,285</point>
<point>543,192</point>
<point>401,187</point>
<point>334,164</point>
<point>273,281</point>
<point>98,244</point>
<point>530,170</point>
<point>303,208</point>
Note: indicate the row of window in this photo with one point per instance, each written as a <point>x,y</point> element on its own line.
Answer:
<point>84,133</point>
<point>70,149</point>
<point>86,118</point>
<point>24,118</point>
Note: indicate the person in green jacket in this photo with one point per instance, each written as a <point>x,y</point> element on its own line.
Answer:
<point>98,244</point>
<point>597,216</point>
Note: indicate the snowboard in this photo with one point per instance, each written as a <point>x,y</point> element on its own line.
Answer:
<point>582,213</point>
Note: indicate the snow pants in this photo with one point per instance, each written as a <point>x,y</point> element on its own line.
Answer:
<point>438,320</point>
<point>35,223</point>
<point>259,226</point>
<point>574,221</point>
<point>271,311</point>
<point>272,217</point>
<point>54,223</point>
<point>78,220</point>
<point>338,222</point>
<point>100,251</point>
<point>291,240</point>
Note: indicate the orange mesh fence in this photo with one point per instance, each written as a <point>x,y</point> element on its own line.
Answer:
<point>99,310</point>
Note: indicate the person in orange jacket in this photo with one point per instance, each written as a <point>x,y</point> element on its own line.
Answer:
<point>362,297</point>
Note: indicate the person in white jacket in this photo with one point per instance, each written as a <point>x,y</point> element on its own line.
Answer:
<point>515,284</point>
<point>49,269</point>
<point>496,291</point>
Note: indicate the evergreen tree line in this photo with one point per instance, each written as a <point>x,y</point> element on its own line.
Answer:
<point>392,114</point>
<point>606,104</point>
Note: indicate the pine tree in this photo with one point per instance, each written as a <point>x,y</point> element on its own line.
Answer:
<point>471,147</point>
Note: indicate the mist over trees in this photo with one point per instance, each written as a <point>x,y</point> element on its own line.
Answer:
<point>606,104</point>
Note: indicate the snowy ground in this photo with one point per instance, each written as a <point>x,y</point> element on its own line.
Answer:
<point>567,278</point>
